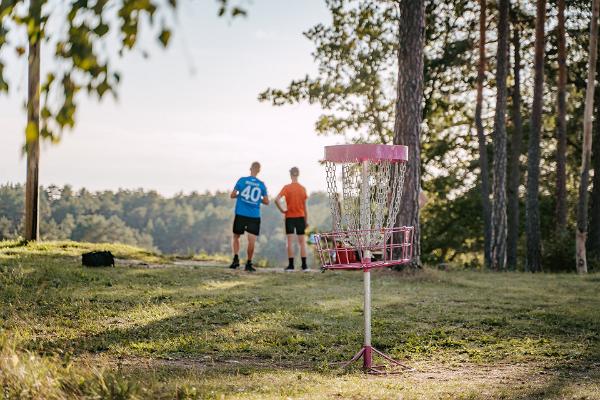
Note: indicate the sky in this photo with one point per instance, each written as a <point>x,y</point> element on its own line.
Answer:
<point>188,119</point>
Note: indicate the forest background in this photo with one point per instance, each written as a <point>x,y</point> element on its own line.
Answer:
<point>356,84</point>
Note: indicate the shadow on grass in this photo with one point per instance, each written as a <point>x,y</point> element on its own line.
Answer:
<point>239,323</point>
<point>273,321</point>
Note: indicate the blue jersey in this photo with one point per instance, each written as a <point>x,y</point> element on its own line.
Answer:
<point>251,191</point>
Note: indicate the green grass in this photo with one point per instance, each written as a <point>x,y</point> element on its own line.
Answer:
<point>158,330</point>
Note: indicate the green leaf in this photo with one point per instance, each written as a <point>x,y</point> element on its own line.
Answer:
<point>101,29</point>
<point>164,37</point>
<point>238,12</point>
<point>31,132</point>
<point>45,113</point>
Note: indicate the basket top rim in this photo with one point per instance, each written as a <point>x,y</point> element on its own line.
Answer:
<point>366,152</point>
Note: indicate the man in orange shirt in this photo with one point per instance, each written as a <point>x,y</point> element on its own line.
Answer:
<point>296,217</point>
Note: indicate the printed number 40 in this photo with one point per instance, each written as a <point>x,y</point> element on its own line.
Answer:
<point>251,193</point>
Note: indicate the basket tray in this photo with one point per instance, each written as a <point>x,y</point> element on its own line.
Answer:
<point>365,249</point>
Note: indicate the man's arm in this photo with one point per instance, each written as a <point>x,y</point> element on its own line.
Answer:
<point>279,204</point>
<point>233,194</point>
<point>265,199</point>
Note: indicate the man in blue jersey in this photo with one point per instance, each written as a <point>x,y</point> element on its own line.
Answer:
<point>250,193</point>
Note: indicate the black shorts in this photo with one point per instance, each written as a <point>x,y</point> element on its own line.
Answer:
<point>295,224</point>
<point>243,224</point>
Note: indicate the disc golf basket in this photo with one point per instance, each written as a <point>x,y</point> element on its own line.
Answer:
<point>364,184</point>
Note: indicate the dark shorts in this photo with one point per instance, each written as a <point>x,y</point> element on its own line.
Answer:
<point>295,224</point>
<point>243,224</point>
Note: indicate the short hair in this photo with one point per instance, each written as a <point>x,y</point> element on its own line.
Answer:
<point>255,165</point>
<point>294,171</point>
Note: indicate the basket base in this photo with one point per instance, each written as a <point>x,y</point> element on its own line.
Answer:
<point>389,366</point>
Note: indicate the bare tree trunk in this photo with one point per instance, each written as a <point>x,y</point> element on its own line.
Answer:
<point>407,125</point>
<point>582,204</point>
<point>593,240</point>
<point>483,155</point>
<point>499,184</point>
<point>514,170</point>
<point>32,206</point>
<point>561,149</point>
<point>533,154</point>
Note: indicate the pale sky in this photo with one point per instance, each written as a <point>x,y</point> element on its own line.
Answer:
<point>175,130</point>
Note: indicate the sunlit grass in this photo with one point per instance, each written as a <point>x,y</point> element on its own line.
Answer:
<point>205,332</point>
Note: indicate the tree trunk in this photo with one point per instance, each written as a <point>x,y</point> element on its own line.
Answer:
<point>407,125</point>
<point>561,132</point>
<point>514,170</point>
<point>499,184</point>
<point>582,204</point>
<point>593,240</point>
<point>32,137</point>
<point>483,155</point>
<point>533,153</point>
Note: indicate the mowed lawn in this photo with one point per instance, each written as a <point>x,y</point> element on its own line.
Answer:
<point>154,327</point>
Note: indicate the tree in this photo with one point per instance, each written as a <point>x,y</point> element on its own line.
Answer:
<point>407,126</point>
<point>355,54</point>
<point>533,152</point>
<point>593,239</point>
<point>561,126</point>
<point>582,204</point>
<point>514,171</point>
<point>483,155</point>
<point>80,65</point>
<point>499,183</point>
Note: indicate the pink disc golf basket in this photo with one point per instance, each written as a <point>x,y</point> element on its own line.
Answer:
<point>364,184</point>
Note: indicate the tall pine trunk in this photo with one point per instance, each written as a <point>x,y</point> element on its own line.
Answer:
<point>514,170</point>
<point>533,154</point>
<point>561,131</point>
<point>32,137</point>
<point>582,204</point>
<point>407,124</point>
<point>483,155</point>
<point>593,240</point>
<point>499,230</point>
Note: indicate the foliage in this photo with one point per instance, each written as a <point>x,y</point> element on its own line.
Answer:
<point>356,55</point>
<point>208,332</point>
<point>80,59</point>
<point>184,225</point>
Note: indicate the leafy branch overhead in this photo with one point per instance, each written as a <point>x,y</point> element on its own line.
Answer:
<point>355,57</point>
<point>356,54</point>
<point>81,61</point>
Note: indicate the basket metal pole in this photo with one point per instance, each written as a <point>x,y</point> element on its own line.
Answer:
<point>367,361</point>
<point>365,214</point>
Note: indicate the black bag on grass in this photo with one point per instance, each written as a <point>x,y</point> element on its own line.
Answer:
<point>98,259</point>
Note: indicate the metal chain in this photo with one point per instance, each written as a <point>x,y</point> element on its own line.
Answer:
<point>386,182</point>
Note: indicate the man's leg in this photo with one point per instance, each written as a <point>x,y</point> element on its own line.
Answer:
<point>251,242</point>
<point>235,247</point>
<point>302,245</point>
<point>290,245</point>
<point>290,251</point>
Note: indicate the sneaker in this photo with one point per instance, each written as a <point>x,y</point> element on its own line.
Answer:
<point>235,264</point>
<point>249,268</point>
<point>289,269</point>
<point>305,268</point>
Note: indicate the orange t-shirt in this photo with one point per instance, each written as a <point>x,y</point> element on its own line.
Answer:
<point>295,196</point>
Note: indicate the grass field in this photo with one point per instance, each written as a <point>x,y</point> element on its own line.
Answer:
<point>156,327</point>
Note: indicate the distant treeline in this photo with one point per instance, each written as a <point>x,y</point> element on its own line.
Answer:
<point>196,223</point>
<point>184,224</point>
